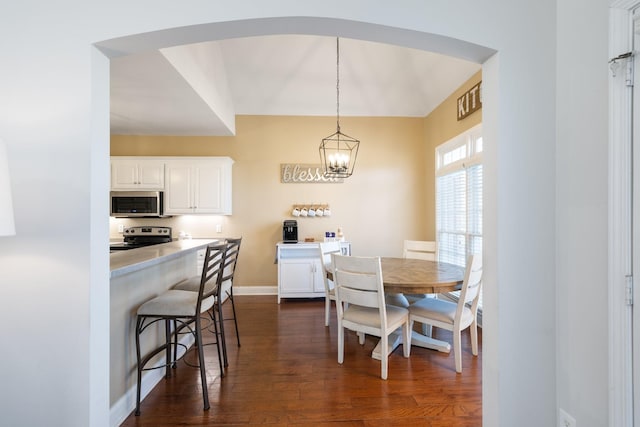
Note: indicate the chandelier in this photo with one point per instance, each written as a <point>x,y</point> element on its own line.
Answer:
<point>338,151</point>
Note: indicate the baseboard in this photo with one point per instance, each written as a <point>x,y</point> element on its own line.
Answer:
<point>255,290</point>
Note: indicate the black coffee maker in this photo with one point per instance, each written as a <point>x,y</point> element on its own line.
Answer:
<point>290,231</point>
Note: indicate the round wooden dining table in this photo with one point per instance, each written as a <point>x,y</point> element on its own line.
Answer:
<point>416,276</point>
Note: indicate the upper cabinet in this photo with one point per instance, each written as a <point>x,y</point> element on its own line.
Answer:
<point>129,173</point>
<point>191,185</point>
<point>198,185</point>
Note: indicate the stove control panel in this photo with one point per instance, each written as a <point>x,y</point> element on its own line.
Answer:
<point>148,231</point>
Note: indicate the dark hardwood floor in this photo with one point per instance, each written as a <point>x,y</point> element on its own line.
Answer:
<point>286,374</point>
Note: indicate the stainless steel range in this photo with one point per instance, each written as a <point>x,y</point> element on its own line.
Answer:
<point>140,236</point>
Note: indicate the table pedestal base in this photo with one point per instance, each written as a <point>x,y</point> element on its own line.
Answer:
<point>417,339</point>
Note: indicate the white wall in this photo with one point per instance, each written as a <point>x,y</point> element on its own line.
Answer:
<point>582,196</point>
<point>53,273</point>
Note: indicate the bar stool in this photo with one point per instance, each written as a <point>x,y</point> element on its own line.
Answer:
<point>217,318</point>
<point>182,310</point>
<point>233,251</point>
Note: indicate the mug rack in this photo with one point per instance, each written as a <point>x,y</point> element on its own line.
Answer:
<point>311,210</point>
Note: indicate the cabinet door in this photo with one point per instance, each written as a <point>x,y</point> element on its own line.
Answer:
<point>296,275</point>
<point>124,175</point>
<point>179,189</point>
<point>318,280</point>
<point>151,175</point>
<point>198,186</point>
<point>135,174</point>
<point>208,188</point>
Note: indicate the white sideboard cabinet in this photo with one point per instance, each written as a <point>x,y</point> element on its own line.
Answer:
<point>131,173</point>
<point>300,271</point>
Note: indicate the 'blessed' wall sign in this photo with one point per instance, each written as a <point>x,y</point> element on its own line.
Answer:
<point>469,102</point>
<point>299,173</point>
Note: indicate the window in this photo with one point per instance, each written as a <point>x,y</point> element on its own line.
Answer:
<point>459,197</point>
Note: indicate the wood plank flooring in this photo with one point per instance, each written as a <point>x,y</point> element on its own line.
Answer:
<point>286,374</point>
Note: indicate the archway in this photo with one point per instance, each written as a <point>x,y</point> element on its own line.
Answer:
<point>314,26</point>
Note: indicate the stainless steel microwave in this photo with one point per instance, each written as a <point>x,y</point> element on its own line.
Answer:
<point>127,204</point>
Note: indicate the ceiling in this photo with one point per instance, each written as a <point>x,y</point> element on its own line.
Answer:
<point>198,89</point>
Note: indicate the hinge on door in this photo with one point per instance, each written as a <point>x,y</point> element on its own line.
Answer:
<point>628,294</point>
<point>629,76</point>
<point>614,65</point>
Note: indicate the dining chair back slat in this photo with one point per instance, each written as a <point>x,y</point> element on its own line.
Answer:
<point>419,249</point>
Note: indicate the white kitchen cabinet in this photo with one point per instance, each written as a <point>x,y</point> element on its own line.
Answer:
<point>136,174</point>
<point>300,271</point>
<point>198,185</point>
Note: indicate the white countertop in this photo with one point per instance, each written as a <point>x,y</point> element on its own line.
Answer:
<point>125,262</point>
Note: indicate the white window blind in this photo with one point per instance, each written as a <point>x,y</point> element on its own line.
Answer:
<point>459,197</point>
<point>459,215</point>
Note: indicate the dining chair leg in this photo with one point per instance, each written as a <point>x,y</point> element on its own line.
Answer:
<point>457,350</point>
<point>327,310</point>
<point>340,344</point>
<point>427,329</point>
<point>406,340</point>
<point>203,372</point>
<point>474,338</point>
<point>384,357</point>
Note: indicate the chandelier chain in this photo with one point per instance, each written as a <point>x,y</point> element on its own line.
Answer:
<point>338,83</point>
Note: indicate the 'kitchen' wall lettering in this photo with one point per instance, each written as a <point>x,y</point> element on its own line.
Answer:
<point>469,102</point>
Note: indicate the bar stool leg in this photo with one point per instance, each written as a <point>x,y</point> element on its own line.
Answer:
<point>235,319</point>
<point>203,373</point>
<point>218,306</point>
<point>139,368</point>
<point>216,332</point>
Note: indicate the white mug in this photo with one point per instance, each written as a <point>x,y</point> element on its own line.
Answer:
<point>296,211</point>
<point>327,211</point>
<point>319,212</point>
<point>312,211</point>
<point>304,212</point>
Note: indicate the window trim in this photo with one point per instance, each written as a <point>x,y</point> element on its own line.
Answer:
<point>472,157</point>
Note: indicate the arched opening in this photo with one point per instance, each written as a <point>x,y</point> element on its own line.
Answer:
<point>312,26</point>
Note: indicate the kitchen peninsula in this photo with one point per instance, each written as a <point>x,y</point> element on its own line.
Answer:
<point>138,275</point>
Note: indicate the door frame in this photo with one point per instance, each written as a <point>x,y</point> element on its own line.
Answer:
<point>620,218</point>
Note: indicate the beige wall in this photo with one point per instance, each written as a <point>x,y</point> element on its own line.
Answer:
<point>383,203</point>
<point>389,198</point>
<point>440,126</point>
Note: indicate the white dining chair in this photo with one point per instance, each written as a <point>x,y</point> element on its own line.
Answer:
<point>425,250</point>
<point>455,317</point>
<point>361,307</point>
<point>419,249</point>
<point>326,249</point>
